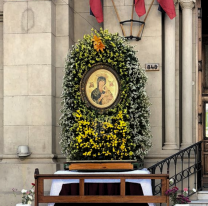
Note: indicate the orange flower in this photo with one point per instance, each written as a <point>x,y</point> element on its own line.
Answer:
<point>96,39</point>
<point>98,44</point>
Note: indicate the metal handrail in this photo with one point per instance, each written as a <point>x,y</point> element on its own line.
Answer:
<point>181,166</point>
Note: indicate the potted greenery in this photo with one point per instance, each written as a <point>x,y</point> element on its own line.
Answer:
<point>178,199</point>
<point>27,196</point>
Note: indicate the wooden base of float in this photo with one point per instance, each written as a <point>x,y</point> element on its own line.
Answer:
<point>103,165</point>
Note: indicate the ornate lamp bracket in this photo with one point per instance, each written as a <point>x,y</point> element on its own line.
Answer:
<point>139,35</point>
<point>131,36</point>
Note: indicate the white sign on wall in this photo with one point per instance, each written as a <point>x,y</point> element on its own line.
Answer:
<point>152,67</point>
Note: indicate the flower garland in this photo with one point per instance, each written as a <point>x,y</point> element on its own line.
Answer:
<point>125,129</point>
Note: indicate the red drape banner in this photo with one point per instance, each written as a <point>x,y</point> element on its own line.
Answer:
<point>140,7</point>
<point>168,7</point>
<point>97,10</point>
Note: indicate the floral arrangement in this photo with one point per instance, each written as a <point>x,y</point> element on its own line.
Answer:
<point>125,128</point>
<point>176,198</point>
<point>27,195</point>
<point>114,141</point>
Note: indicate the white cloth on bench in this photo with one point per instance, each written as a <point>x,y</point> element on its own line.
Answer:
<point>57,183</point>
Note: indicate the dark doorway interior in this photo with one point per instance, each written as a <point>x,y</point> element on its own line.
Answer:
<point>204,5</point>
<point>204,81</point>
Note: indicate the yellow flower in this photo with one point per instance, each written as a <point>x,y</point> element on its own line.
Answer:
<point>122,147</point>
<point>130,153</point>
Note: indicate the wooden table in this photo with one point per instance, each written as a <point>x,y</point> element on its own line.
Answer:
<point>82,198</point>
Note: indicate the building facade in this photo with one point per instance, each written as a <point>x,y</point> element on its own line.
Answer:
<point>35,37</point>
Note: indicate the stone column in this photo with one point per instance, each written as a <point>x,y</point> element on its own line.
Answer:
<point>187,6</point>
<point>29,60</point>
<point>64,41</point>
<point>1,80</point>
<point>170,141</point>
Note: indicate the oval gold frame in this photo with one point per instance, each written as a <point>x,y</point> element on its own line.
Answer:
<point>84,83</point>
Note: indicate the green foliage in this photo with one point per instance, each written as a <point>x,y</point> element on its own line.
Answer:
<point>134,103</point>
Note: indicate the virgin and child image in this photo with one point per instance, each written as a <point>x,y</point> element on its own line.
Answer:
<point>101,95</point>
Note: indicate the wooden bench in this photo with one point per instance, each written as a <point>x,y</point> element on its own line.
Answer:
<point>81,198</point>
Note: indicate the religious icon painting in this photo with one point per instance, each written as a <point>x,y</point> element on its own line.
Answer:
<point>100,87</point>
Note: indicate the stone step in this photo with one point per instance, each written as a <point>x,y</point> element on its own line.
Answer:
<point>199,202</point>
<point>203,195</point>
<point>202,199</point>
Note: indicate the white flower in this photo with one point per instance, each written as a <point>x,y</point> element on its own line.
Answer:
<point>171,181</point>
<point>194,190</point>
<point>30,197</point>
<point>32,190</point>
<point>23,191</point>
<point>29,203</point>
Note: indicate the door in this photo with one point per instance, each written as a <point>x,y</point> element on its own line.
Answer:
<point>203,84</point>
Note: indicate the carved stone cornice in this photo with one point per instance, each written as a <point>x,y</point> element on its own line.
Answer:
<point>1,16</point>
<point>187,4</point>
